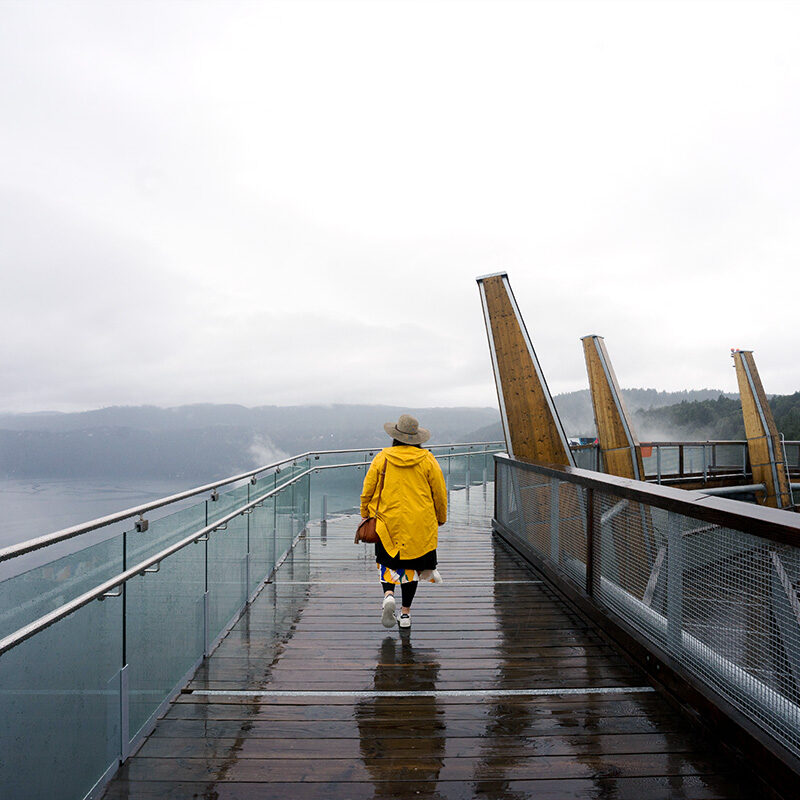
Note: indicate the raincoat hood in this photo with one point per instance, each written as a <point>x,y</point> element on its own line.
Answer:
<point>405,456</point>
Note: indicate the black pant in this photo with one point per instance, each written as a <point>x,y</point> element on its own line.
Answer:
<point>408,590</point>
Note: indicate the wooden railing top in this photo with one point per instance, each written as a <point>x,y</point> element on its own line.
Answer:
<point>779,526</point>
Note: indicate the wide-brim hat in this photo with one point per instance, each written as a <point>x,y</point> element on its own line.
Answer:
<point>407,430</point>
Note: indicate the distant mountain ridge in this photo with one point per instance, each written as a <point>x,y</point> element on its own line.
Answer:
<point>202,441</point>
<point>208,441</point>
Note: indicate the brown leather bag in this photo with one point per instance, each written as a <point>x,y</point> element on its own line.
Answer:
<point>367,531</point>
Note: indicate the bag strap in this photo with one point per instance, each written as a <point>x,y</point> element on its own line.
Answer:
<point>380,491</point>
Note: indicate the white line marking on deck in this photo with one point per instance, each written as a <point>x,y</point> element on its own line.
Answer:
<point>375,582</point>
<point>432,693</point>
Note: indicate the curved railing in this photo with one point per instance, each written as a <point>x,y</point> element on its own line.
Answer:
<point>96,643</point>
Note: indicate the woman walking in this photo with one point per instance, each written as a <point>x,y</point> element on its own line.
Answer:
<point>413,504</point>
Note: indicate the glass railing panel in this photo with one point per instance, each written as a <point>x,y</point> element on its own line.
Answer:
<point>586,458</point>
<point>670,460</point>
<point>285,518</point>
<point>291,469</point>
<point>228,501</point>
<point>227,567</point>
<point>457,468</point>
<point>693,459</point>
<point>164,629</point>
<point>165,531</point>
<point>262,543</point>
<point>29,595</point>
<point>727,458</point>
<point>60,705</point>
<point>341,489</point>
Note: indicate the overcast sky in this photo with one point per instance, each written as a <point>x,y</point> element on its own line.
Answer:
<point>281,203</point>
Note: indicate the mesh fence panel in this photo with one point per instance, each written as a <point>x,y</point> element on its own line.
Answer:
<point>547,515</point>
<point>723,602</point>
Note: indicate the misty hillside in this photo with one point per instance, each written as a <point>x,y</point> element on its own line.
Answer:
<point>202,441</point>
<point>696,415</point>
<point>575,408</point>
<point>720,418</point>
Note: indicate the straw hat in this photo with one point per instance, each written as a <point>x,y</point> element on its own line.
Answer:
<point>407,430</point>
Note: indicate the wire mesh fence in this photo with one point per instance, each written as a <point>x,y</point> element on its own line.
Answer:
<point>720,598</point>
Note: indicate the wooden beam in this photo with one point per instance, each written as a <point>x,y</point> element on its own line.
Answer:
<point>622,456</point>
<point>533,430</point>
<point>619,447</point>
<point>763,440</point>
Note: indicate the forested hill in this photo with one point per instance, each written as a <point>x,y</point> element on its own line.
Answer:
<point>575,408</point>
<point>671,416</point>
<point>720,418</point>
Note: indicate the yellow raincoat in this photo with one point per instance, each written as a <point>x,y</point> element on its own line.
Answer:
<point>413,502</point>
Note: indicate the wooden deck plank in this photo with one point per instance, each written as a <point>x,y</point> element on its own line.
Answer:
<point>306,633</point>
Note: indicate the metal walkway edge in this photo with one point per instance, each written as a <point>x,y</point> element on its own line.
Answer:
<point>498,690</point>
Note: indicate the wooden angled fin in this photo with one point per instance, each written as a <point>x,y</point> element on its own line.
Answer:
<point>619,446</point>
<point>533,430</point>
<point>764,443</point>
<point>632,531</point>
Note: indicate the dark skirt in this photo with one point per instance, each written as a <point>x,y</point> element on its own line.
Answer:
<point>426,561</point>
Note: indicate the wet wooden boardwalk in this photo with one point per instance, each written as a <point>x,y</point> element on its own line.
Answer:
<point>497,691</point>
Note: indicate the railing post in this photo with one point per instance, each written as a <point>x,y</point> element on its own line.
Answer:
<point>555,517</point>
<point>674,582</point>
<point>124,697</point>
<point>324,508</point>
<point>124,715</point>
<point>680,460</point>
<point>658,464</point>
<point>206,608</point>
<point>292,513</point>
<point>591,544</point>
<point>496,489</point>
<point>307,509</point>
<point>275,530</point>
<point>247,556</point>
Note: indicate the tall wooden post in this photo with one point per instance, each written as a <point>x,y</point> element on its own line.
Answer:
<point>533,430</point>
<point>630,530</point>
<point>618,444</point>
<point>532,427</point>
<point>763,440</point>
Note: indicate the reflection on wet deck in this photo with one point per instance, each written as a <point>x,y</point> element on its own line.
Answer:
<point>438,712</point>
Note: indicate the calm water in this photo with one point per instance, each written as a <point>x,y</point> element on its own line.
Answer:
<point>35,507</point>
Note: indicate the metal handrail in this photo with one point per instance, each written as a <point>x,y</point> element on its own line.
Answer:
<point>32,628</point>
<point>701,442</point>
<point>103,590</point>
<point>694,443</point>
<point>774,524</point>
<point>37,543</point>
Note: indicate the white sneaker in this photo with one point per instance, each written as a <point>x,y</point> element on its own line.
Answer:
<point>404,620</point>
<point>431,575</point>
<point>387,617</point>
